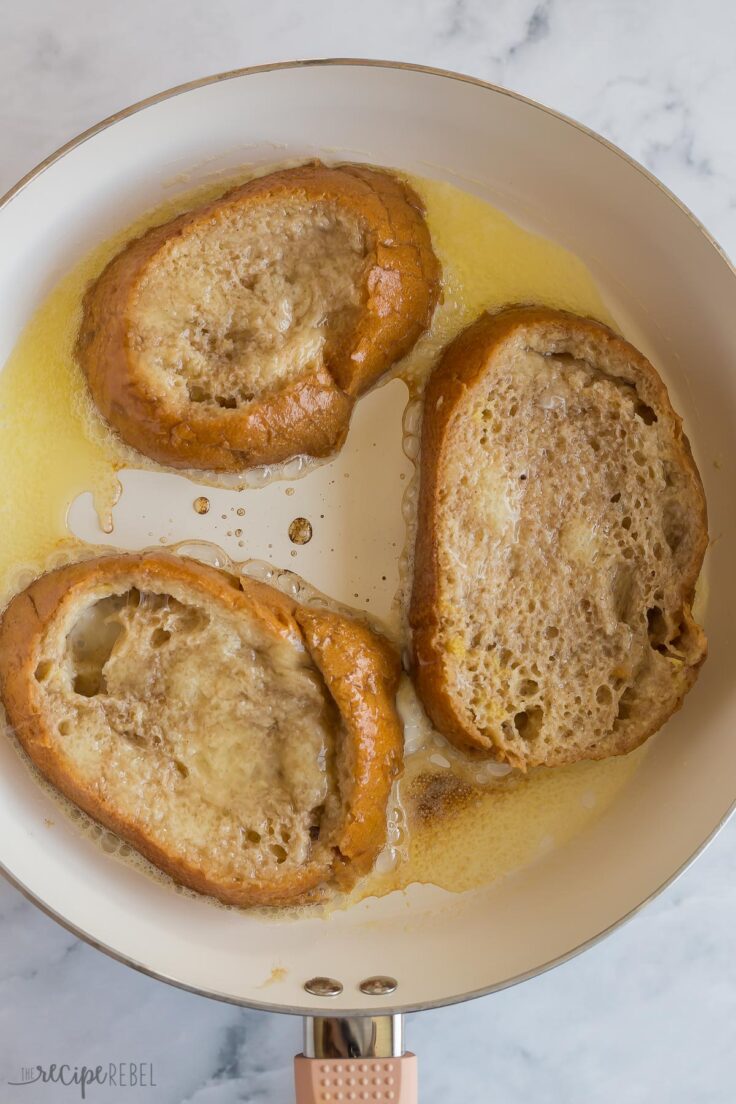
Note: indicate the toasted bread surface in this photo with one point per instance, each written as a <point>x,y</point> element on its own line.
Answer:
<point>244,744</point>
<point>561,530</point>
<point>240,333</point>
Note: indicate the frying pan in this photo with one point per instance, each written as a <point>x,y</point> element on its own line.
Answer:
<point>672,292</point>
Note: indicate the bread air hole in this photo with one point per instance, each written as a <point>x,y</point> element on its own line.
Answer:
<point>90,644</point>
<point>528,723</point>
<point>646,413</point>
<point>88,684</point>
<point>662,638</point>
<point>625,703</point>
<point>43,670</point>
<point>656,627</point>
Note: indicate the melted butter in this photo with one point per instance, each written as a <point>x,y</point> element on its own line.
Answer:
<point>461,836</point>
<point>450,825</point>
<point>489,261</point>
<point>46,456</point>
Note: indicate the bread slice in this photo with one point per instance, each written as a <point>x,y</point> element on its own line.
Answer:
<point>561,530</point>
<point>244,744</point>
<point>241,332</point>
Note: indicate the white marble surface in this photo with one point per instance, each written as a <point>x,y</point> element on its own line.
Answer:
<point>646,1018</point>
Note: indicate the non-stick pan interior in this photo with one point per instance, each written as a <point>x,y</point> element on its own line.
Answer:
<point>672,293</point>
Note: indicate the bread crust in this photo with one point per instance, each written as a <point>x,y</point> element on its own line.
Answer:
<point>360,670</point>
<point>309,415</point>
<point>463,365</point>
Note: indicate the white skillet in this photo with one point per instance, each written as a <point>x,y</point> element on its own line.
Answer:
<point>674,293</point>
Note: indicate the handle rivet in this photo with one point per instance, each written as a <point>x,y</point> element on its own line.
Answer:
<point>323,987</point>
<point>378,986</point>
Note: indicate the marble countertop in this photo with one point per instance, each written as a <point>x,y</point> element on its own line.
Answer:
<point>648,1016</point>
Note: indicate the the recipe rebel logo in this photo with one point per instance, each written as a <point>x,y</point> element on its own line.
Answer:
<point>121,1075</point>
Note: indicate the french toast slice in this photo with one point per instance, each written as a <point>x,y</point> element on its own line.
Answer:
<point>561,531</point>
<point>241,332</point>
<point>244,744</point>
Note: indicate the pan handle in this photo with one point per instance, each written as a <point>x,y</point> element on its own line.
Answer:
<point>355,1059</point>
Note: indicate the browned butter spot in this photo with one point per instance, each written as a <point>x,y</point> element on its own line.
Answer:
<point>432,796</point>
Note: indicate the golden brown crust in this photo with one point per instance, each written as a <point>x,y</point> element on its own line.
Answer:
<point>463,364</point>
<point>310,415</point>
<point>360,671</point>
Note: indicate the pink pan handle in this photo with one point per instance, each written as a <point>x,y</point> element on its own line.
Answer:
<point>355,1059</point>
<point>343,1080</point>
